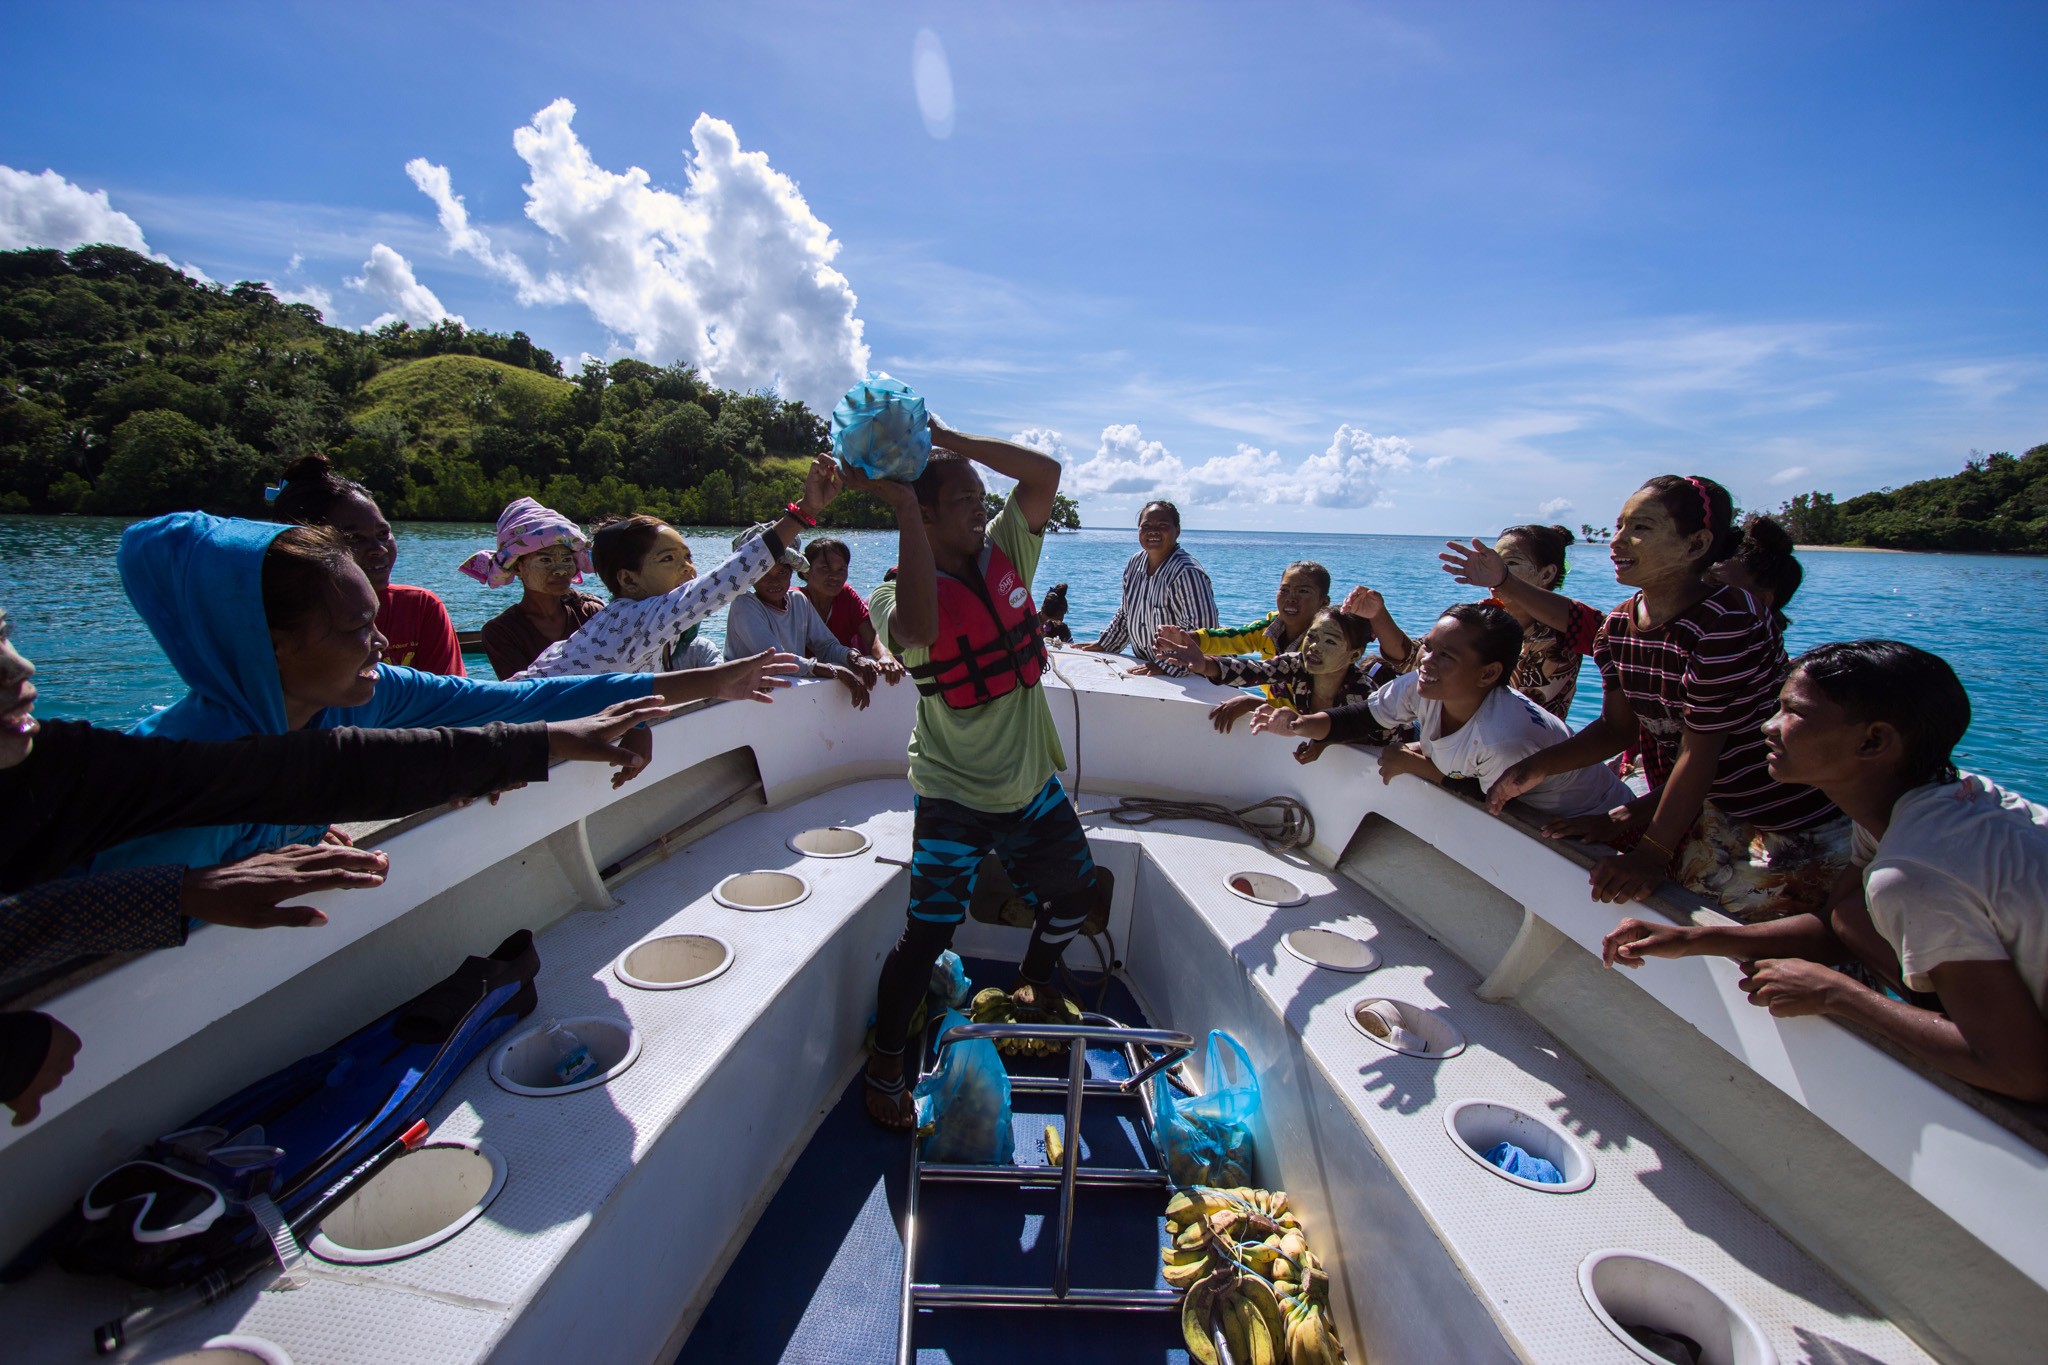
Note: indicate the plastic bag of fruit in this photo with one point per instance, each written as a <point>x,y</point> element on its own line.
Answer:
<point>963,1108</point>
<point>1208,1137</point>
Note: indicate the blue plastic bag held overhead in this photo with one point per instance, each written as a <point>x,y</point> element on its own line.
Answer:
<point>879,428</point>
<point>963,1108</point>
<point>1208,1137</point>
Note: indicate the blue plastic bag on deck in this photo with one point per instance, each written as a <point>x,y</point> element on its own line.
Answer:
<point>1207,1138</point>
<point>949,980</point>
<point>963,1108</point>
<point>879,428</point>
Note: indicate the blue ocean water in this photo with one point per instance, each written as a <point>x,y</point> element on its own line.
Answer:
<point>1982,613</point>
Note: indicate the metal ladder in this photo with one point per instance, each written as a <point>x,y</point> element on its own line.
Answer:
<point>1093,1028</point>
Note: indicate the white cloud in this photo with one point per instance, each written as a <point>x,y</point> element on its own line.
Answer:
<point>309,293</point>
<point>933,78</point>
<point>1125,462</point>
<point>733,275</point>
<point>387,278</point>
<point>1791,474</point>
<point>1232,478</point>
<point>1554,507</point>
<point>292,266</point>
<point>49,211</point>
<point>1043,439</point>
<point>1351,472</point>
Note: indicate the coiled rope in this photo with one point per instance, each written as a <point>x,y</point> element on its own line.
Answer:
<point>1294,827</point>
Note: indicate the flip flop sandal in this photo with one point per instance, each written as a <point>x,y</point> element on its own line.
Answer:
<point>895,1090</point>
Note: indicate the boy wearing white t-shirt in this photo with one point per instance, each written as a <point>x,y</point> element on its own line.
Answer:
<point>1947,892</point>
<point>1469,723</point>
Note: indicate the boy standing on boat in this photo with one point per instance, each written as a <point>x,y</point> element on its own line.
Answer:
<point>984,757</point>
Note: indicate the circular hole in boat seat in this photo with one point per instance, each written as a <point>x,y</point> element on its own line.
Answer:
<point>829,841</point>
<point>1642,1298</point>
<point>1328,948</point>
<point>526,1064</point>
<point>228,1350</point>
<point>418,1201</point>
<point>1263,888</point>
<point>673,961</point>
<point>761,890</point>
<point>1401,1027</point>
<point>1476,1126</point>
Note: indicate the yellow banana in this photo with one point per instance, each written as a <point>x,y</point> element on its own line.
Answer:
<point>1196,1313</point>
<point>1293,1246</point>
<point>1186,1276</point>
<point>1184,1255</point>
<point>1259,1294</point>
<point>1054,1151</point>
<point>1235,1317</point>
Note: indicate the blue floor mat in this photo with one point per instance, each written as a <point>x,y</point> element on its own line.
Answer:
<point>817,1281</point>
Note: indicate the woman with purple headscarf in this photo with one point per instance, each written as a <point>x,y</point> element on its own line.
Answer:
<point>548,554</point>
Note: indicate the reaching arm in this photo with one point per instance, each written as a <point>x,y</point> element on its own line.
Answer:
<point>1477,565</point>
<point>1613,730</point>
<point>1395,646</point>
<point>1037,474</point>
<point>1993,1035</point>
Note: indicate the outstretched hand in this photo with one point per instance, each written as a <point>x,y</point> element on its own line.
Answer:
<point>754,678</point>
<point>853,682</point>
<point>1789,987</point>
<point>1365,602</point>
<point>822,482</point>
<point>1171,644</point>
<point>246,895</point>
<point>610,736</point>
<point>1279,720</point>
<point>1476,564</point>
<point>1632,940</point>
<point>1518,780</point>
<point>1225,714</point>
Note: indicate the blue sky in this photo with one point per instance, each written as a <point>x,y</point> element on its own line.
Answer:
<point>1365,267</point>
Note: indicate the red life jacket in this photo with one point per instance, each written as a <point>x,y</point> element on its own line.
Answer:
<point>989,642</point>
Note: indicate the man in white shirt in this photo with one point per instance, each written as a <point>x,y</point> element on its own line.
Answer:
<point>1948,888</point>
<point>1469,724</point>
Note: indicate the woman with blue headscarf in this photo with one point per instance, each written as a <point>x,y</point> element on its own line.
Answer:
<point>273,629</point>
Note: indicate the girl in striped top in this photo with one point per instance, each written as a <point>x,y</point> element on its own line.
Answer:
<point>1691,671</point>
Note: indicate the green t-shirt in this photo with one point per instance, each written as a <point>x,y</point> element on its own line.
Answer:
<point>996,756</point>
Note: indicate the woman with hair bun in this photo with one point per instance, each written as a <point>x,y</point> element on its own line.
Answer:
<point>1690,670</point>
<point>414,620</point>
<point>1764,566</point>
<point>1524,570</point>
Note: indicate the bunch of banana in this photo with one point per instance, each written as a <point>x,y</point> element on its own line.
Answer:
<point>1231,1317</point>
<point>994,1006</point>
<point>1244,1246</point>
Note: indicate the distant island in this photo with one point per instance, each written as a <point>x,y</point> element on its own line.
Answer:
<point>129,390</point>
<point>1997,503</point>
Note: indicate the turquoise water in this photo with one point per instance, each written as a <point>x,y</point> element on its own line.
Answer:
<point>1984,614</point>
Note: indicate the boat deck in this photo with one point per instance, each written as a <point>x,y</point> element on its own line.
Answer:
<point>624,1204</point>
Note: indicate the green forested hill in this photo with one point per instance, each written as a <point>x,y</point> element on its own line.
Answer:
<point>125,388</point>
<point>1997,502</point>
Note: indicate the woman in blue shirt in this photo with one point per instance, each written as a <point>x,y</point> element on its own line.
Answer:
<point>273,629</point>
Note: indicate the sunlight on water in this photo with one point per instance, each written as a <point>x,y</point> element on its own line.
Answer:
<point>1982,613</point>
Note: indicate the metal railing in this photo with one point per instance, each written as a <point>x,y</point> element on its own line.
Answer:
<point>1093,1028</point>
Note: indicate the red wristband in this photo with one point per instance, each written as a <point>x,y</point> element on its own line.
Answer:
<point>798,513</point>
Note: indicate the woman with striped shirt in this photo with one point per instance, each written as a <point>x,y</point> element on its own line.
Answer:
<point>1691,671</point>
<point>1163,586</point>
